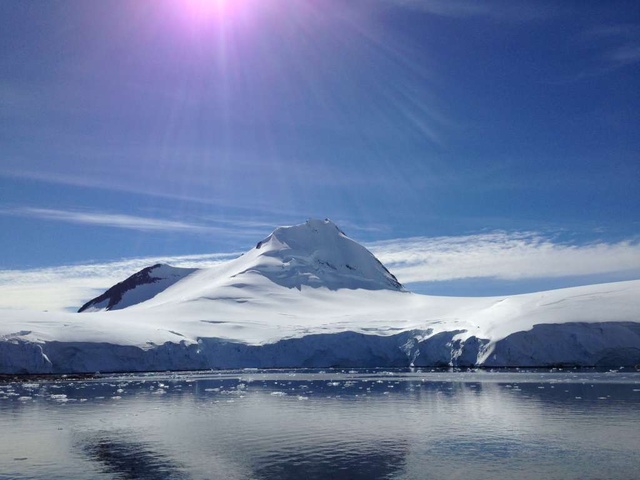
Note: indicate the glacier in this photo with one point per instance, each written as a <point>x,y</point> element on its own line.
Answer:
<point>309,296</point>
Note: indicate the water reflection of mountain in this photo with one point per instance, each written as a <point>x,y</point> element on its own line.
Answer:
<point>131,459</point>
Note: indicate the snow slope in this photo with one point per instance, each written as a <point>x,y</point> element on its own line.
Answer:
<point>309,296</point>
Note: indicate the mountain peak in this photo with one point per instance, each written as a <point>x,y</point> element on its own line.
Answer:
<point>313,231</point>
<point>318,254</point>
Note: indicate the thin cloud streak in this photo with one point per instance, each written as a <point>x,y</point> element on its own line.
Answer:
<point>130,222</point>
<point>504,256</point>
<point>612,47</point>
<point>621,44</point>
<point>88,182</point>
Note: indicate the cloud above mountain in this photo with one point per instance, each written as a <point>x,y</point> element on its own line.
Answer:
<point>502,255</point>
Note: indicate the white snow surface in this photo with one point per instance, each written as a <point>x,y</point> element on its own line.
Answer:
<point>310,296</point>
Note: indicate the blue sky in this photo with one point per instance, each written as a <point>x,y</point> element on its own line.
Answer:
<point>134,129</point>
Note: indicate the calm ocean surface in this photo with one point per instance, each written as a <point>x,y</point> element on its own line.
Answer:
<point>332,424</point>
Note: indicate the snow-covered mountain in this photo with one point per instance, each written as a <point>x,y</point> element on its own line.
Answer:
<point>315,254</point>
<point>308,296</point>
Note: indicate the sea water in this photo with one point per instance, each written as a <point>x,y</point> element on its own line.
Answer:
<point>331,424</point>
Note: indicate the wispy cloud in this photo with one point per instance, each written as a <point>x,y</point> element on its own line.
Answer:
<point>622,44</point>
<point>609,47</point>
<point>93,181</point>
<point>502,255</point>
<point>504,10</point>
<point>58,178</point>
<point>102,219</point>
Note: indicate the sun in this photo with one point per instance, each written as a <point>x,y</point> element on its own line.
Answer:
<point>227,11</point>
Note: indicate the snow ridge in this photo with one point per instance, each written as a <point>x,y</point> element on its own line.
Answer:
<point>139,287</point>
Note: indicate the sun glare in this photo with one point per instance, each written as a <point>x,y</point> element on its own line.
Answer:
<point>205,8</point>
